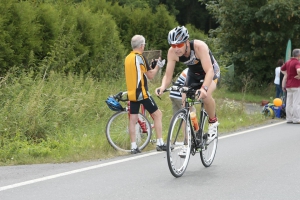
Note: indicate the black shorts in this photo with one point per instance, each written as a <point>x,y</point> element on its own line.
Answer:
<point>149,105</point>
<point>195,78</point>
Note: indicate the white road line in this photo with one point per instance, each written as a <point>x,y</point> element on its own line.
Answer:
<point>74,171</point>
<point>112,163</point>
<point>254,129</point>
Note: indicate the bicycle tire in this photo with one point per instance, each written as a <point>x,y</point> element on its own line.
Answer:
<point>208,153</point>
<point>117,132</point>
<point>177,139</point>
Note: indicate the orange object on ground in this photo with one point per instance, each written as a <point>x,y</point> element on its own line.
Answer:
<point>277,102</point>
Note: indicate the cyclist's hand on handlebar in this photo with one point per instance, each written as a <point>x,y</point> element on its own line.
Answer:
<point>201,94</point>
<point>159,91</point>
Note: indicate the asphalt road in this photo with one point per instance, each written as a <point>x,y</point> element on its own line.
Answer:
<point>262,163</point>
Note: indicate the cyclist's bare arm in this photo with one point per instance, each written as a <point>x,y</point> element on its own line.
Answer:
<point>202,52</point>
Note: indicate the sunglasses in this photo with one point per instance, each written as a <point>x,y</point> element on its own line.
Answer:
<point>177,45</point>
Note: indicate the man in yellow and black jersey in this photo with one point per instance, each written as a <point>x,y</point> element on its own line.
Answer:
<point>137,72</point>
<point>136,80</point>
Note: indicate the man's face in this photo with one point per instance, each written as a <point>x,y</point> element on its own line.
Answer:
<point>179,48</point>
<point>143,45</point>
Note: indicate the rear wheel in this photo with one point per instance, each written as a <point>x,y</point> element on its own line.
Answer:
<point>179,138</point>
<point>117,131</point>
<point>207,154</point>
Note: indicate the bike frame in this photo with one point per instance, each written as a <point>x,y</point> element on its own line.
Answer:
<point>197,141</point>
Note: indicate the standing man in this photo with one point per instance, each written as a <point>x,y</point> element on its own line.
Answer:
<point>291,84</point>
<point>202,66</point>
<point>137,71</point>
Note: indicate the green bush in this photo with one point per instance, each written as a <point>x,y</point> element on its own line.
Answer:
<point>62,36</point>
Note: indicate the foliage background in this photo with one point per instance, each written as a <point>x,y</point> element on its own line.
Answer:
<point>254,34</point>
<point>93,36</point>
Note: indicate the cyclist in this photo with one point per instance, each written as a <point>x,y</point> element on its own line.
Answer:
<point>137,71</point>
<point>202,66</point>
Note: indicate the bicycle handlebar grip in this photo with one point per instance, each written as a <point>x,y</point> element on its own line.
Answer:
<point>174,88</point>
<point>158,91</point>
<point>118,95</point>
<point>183,89</point>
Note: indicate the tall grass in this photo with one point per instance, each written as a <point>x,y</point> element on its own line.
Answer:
<point>63,118</point>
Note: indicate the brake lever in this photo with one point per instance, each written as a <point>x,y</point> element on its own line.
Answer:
<point>157,91</point>
<point>198,94</point>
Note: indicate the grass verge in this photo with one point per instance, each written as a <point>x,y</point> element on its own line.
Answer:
<point>63,119</point>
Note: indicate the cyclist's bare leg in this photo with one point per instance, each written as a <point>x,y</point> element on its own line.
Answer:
<point>209,102</point>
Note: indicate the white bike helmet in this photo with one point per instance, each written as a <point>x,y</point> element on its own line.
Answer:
<point>178,35</point>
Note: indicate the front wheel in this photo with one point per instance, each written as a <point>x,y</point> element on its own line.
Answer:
<point>179,139</point>
<point>117,131</point>
<point>208,152</point>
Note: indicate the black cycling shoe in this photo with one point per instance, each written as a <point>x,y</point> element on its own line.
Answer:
<point>162,147</point>
<point>135,151</point>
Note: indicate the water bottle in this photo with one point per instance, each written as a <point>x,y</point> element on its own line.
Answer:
<point>194,121</point>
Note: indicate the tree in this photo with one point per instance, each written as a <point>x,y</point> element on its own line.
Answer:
<point>194,12</point>
<point>254,33</point>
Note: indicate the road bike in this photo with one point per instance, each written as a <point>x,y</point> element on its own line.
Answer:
<point>117,128</point>
<point>183,140</point>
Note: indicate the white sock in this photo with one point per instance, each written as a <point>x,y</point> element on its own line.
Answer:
<point>159,142</point>
<point>133,145</point>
